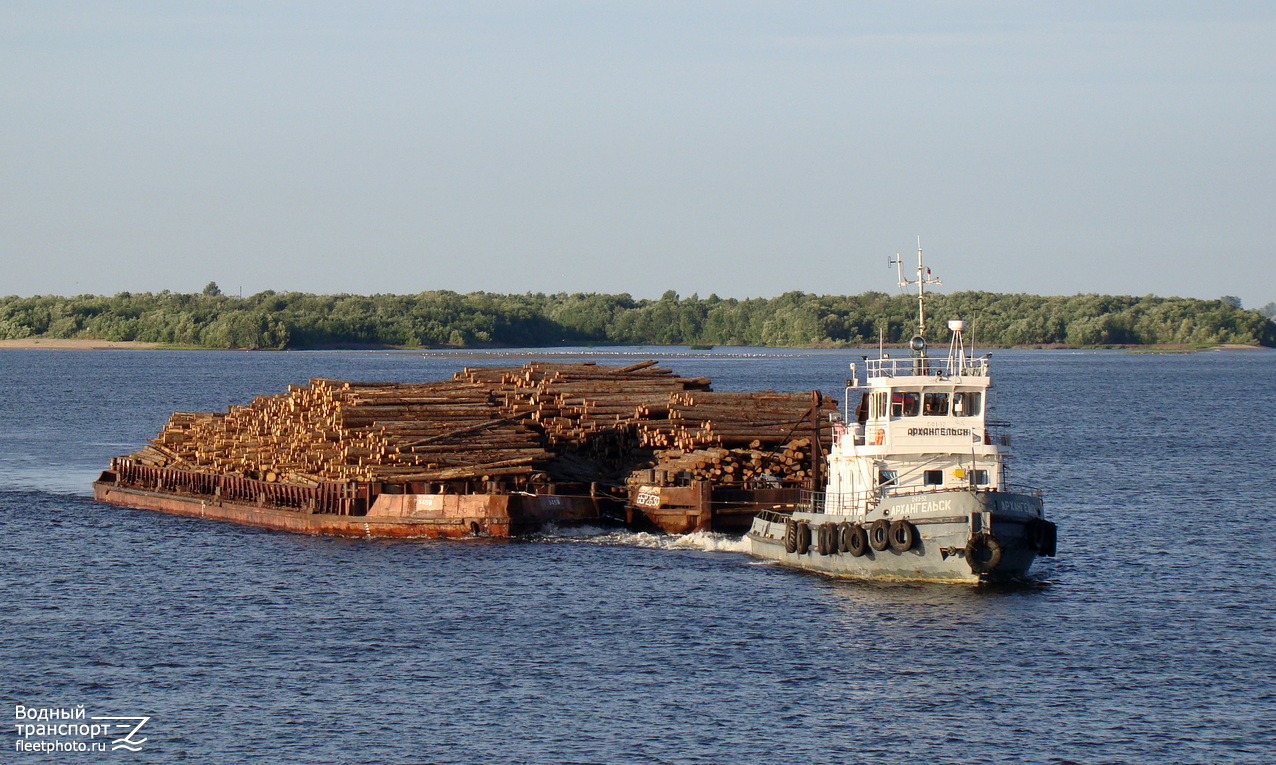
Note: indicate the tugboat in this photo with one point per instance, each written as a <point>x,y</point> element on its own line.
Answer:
<point>918,483</point>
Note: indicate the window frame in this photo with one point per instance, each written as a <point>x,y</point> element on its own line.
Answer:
<point>974,397</point>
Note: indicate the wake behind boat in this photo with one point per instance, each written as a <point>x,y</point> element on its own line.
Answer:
<point>918,481</point>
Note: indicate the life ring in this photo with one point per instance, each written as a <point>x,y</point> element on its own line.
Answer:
<point>857,545</point>
<point>983,553</point>
<point>903,536</point>
<point>880,437</point>
<point>790,535</point>
<point>803,537</point>
<point>879,534</point>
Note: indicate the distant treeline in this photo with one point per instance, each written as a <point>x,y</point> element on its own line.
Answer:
<point>441,318</point>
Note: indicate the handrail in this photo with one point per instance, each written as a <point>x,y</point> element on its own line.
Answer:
<point>924,367</point>
<point>1019,488</point>
<point>329,497</point>
<point>821,501</point>
<point>821,498</point>
<point>772,516</point>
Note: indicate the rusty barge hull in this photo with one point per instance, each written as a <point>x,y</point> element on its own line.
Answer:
<point>703,506</point>
<point>323,524</point>
<point>361,510</point>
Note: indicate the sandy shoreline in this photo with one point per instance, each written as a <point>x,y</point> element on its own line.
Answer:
<point>55,344</point>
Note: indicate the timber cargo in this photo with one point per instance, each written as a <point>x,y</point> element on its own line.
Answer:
<point>492,452</point>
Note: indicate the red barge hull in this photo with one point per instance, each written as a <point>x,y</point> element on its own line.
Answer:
<point>344,510</point>
<point>703,506</point>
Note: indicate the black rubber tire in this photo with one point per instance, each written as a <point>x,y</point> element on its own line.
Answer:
<point>790,536</point>
<point>903,536</point>
<point>803,537</point>
<point>983,553</point>
<point>844,533</point>
<point>879,534</point>
<point>826,538</point>
<point>859,541</point>
<point>1049,539</point>
<point>1033,533</point>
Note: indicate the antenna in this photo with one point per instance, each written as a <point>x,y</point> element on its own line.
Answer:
<point>918,344</point>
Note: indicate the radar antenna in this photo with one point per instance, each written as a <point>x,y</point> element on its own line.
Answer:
<point>918,343</point>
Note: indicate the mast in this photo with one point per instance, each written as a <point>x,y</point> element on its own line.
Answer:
<point>918,343</point>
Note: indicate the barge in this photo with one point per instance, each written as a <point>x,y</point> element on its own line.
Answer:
<point>495,451</point>
<point>353,509</point>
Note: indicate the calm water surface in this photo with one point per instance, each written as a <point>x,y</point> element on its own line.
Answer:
<point>1150,639</point>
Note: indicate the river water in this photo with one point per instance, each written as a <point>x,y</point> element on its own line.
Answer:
<point>1151,638</point>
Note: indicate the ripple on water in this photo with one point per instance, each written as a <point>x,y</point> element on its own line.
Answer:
<point>1150,638</point>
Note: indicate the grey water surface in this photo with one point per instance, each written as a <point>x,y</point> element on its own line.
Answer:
<point>1151,638</point>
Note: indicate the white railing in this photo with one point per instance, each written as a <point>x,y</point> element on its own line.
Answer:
<point>1019,488</point>
<point>848,503</point>
<point>835,503</point>
<point>997,433</point>
<point>906,367</point>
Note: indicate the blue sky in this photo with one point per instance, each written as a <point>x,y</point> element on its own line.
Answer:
<point>738,148</point>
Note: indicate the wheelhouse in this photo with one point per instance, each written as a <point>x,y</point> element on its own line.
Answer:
<point>918,426</point>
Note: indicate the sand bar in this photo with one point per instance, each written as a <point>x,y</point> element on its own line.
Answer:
<point>58,344</point>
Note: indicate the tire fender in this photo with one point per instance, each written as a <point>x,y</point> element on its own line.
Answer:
<point>879,534</point>
<point>858,543</point>
<point>983,553</point>
<point>903,536</point>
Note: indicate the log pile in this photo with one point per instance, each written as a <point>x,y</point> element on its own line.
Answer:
<point>765,420</point>
<point>785,465</point>
<point>516,425</point>
<point>340,431</point>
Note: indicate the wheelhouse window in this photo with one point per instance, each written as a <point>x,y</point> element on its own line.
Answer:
<point>906,403</point>
<point>877,406</point>
<point>936,405</point>
<point>966,403</point>
<point>933,478</point>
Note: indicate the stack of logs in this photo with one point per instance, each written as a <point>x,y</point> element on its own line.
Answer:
<point>537,423</point>
<point>789,463</point>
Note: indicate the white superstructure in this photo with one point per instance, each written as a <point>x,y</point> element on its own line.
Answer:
<point>918,484</point>
<point>918,427</point>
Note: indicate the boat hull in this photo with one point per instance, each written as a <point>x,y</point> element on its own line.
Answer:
<point>390,515</point>
<point>944,523</point>
<point>701,506</point>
